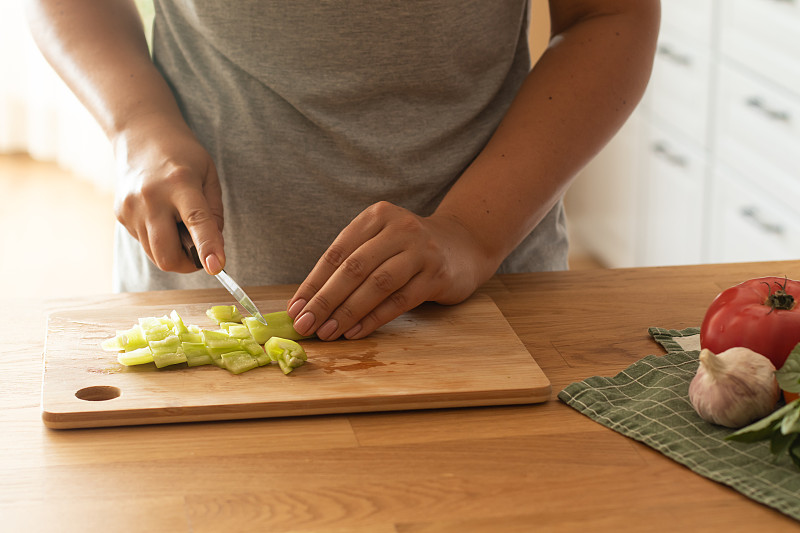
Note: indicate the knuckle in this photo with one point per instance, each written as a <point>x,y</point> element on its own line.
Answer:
<point>150,191</point>
<point>308,288</point>
<point>400,300</point>
<point>164,261</point>
<point>321,302</point>
<point>178,176</point>
<point>410,226</point>
<point>123,207</point>
<point>381,210</point>
<point>371,321</point>
<point>383,281</point>
<point>197,216</point>
<point>346,312</point>
<point>353,267</point>
<point>334,256</point>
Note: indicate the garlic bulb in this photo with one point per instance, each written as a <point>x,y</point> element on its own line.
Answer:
<point>734,388</point>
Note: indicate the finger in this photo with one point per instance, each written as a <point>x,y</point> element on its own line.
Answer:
<point>385,281</point>
<point>165,246</point>
<point>406,298</point>
<point>352,272</point>
<point>130,216</point>
<point>351,275</point>
<point>144,241</point>
<point>204,227</point>
<point>212,190</point>
<point>355,234</point>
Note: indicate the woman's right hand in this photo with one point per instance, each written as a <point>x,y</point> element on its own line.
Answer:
<point>166,176</point>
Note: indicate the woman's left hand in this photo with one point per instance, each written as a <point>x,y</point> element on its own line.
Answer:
<point>384,263</point>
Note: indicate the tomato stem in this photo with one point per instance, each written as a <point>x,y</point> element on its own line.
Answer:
<point>779,299</point>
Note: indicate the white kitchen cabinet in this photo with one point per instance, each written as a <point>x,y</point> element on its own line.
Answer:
<point>674,203</point>
<point>680,86</point>
<point>764,36</point>
<point>717,171</point>
<point>691,19</point>
<point>751,222</point>
<point>756,182</point>
<point>602,205</point>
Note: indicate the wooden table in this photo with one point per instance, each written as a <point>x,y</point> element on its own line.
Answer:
<point>540,467</point>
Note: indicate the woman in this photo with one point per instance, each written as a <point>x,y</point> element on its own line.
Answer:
<point>381,154</point>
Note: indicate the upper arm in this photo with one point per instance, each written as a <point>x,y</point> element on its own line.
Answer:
<point>565,14</point>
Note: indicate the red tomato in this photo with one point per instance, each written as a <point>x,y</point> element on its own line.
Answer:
<point>762,314</point>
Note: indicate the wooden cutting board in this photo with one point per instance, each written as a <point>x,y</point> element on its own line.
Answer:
<point>432,357</point>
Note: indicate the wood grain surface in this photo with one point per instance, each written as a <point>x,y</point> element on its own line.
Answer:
<point>432,357</point>
<point>519,468</point>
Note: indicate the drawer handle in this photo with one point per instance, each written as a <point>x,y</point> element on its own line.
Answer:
<point>775,114</point>
<point>678,160</point>
<point>768,227</point>
<point>680,59</point>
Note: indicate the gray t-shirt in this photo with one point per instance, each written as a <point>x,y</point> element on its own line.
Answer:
<point>314,110</point>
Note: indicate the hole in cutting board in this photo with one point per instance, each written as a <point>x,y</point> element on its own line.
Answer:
<point>98,393</point>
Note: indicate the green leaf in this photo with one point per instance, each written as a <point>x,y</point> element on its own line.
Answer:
<point>781,443</point>
<point>763,429</point>
<point>789,374</point>
<point>791,421</point>
<point>794,452</point>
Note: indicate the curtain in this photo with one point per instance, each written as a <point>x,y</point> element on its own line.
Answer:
<point>38,113</point>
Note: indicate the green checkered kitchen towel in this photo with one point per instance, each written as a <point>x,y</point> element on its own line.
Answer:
<point>649,402</point>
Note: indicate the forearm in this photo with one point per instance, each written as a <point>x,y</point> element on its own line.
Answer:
<point>578,95</point>
<point>99,49</point>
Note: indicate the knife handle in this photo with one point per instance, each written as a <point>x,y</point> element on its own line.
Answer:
<point>188,245</point>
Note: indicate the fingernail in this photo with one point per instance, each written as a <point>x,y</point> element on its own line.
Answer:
<point>296,307</point>
<point>304,323</point>
<point>327,329</point>
<point>352,332</point>
<point>212,264</point>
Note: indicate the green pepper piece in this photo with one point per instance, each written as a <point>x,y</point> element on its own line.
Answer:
<point>178,326</point>
<point>278,325</point>
<point>166,359</point>
<point>250,346</point>
<point>286,352</point>
<point>196,353</point>
<point>195,338</point>
<point>224,313</point>
<point>139,356</point>
<point>166,345</point>
<point>239,361</point>
<point>219,339</point>
<point>239,331</point>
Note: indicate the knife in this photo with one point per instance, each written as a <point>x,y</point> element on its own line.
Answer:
<point>228,282</point>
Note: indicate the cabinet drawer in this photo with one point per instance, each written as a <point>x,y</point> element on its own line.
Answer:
<point>690,18</point>
<point>679,89</point>
<point>675,175</point>
<point>750,224</point>
<point>764,35</point>
<point>758,131</point>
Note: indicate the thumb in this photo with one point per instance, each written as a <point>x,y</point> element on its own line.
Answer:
<point>204,228</point>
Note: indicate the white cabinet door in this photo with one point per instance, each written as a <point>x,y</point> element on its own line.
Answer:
<point>604,200</point>
<point>675,175</point>
<point>758,131</point>
<point>693,19</point>
<point>763,36</point>
<point>751,223</point>
<point>680,87</point>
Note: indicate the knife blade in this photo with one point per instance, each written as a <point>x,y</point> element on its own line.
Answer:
<point>228,282</point>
